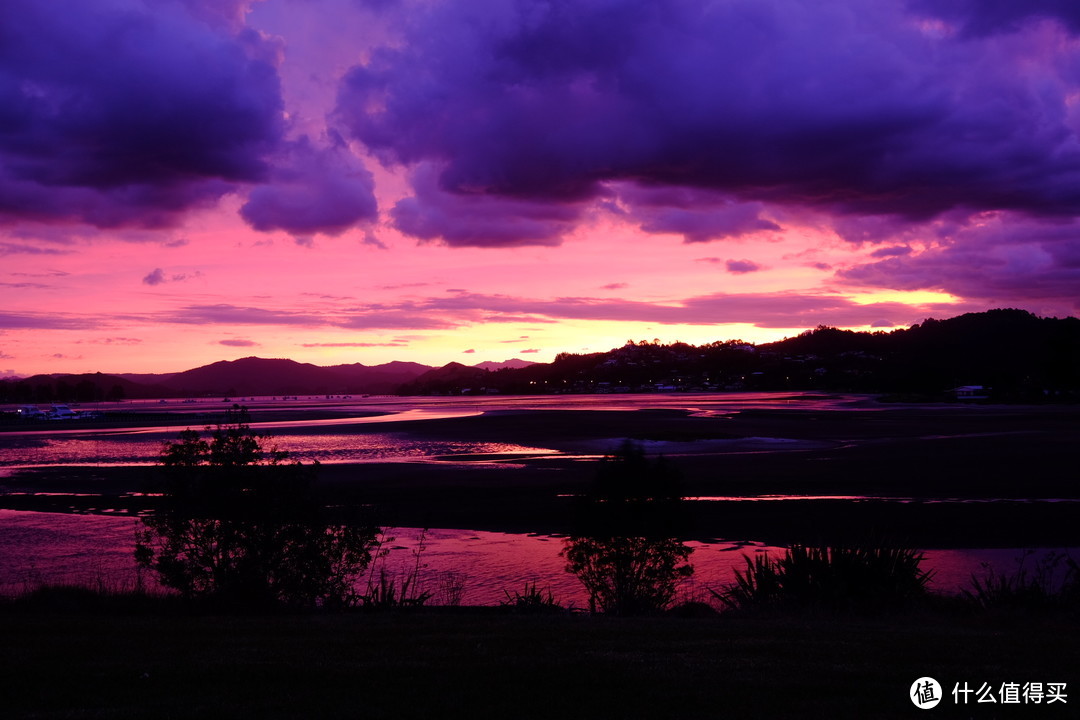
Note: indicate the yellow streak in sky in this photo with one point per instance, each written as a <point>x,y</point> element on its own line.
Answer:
<point>907,297</point>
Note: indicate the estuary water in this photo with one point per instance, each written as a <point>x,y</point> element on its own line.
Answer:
<point>473,567</point>
<point>309,436</point>
<point>454,565</point>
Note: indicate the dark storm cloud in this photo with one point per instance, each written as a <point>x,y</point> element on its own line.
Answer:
<point>697,215</point>
<point>983,17</point>
<point>477,218</point>
<point>854,108</point>
<point>127,113</point>
<point>314,190</point>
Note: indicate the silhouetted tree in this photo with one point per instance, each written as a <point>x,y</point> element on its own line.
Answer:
<point>625,551</point>
<point>241,525</point>
<point>628,575</point>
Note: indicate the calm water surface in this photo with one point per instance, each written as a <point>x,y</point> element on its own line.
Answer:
<point>96,550</point>
<point>308,439</point>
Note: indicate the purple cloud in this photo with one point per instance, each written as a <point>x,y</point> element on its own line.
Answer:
<point>478,219</point>
<point>354,345</point>
<point>1000,258</point>
<point>238,343</point>
<point>7,248</point>
<point>697,215</point>
<point>43,321</point>
<point>123,114</point>
<point>157,277</point>
<point>771,310</point>
<point>851,108</point>
<point>985,17</point>
<point>225,314</point>
<point>313,190</point>
<point>741,267</point>
<point>891,251</point>
<point>111,341</point>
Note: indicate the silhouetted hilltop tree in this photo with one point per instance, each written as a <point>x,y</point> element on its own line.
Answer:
<point>85,387</point>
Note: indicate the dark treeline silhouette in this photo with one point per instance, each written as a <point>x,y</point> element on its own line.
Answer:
<point>88,387</point>
<point>1014,354</point>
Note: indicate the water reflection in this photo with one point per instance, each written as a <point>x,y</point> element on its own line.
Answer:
<point>142,450</point>
<point>94,550</point>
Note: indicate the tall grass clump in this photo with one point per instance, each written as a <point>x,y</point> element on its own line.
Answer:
<point>865,579</point>
<point>388,589</point>
<point>1052,584</point>
<point>532,601</point>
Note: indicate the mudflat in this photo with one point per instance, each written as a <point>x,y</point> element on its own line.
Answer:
<point>927,475</point>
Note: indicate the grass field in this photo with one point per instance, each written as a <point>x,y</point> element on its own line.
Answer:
<point>472,663</point>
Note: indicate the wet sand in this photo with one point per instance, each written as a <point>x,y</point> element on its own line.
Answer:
<point>1019,457</point>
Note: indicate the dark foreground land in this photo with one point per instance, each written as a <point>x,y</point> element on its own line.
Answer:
<point>480,665</point>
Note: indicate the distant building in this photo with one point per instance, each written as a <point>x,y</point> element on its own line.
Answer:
<point>971,392</point>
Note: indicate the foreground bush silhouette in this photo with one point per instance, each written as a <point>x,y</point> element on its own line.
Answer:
<point>626,552</point>
<point>240,525</point>
<point>628,575</point>
<point>831,579</point>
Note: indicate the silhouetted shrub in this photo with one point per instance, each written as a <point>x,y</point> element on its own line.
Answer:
<point>831,579</point>
<point>240,525</point>
<point>625,551</point>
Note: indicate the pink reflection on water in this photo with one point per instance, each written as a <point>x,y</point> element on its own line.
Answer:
<point>95,550</point>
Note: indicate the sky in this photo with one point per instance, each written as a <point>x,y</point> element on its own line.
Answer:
<point>340,181</point>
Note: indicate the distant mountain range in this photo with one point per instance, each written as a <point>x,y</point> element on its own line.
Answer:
<point>1009,354</point>
<point>246,376</point>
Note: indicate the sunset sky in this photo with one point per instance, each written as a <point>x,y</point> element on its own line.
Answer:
<point>338,181</point>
